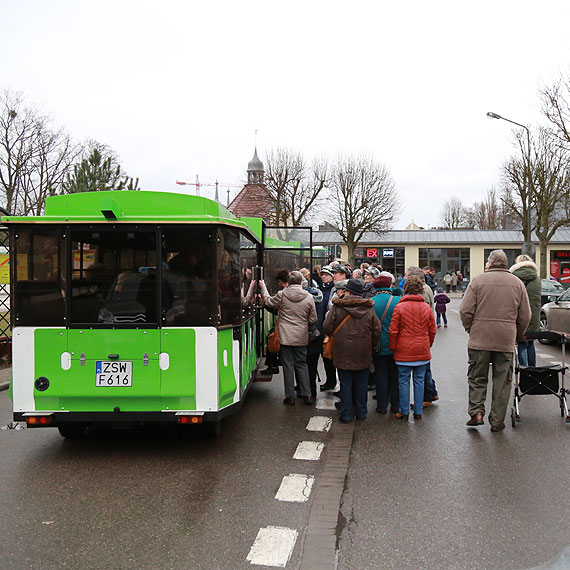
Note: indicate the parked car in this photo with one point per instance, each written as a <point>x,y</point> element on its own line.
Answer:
<point>550,291</point>
<point>555,316</point>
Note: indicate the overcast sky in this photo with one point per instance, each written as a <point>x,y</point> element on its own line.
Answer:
<point>177,88</point>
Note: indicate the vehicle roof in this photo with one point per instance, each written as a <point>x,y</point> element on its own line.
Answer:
<point>135,206</point>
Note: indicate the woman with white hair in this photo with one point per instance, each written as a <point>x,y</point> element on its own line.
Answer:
<point>525,269</point>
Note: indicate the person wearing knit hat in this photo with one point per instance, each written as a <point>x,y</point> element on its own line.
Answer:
<point>356,334</point>
<point>383,282</point>
<point>370,273</point>
<point>328,289</point>
<point>385,369</point>
<point>341,272</point>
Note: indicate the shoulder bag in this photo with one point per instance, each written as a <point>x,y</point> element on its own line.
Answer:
<point>328,341</point>
<point>273,342</point>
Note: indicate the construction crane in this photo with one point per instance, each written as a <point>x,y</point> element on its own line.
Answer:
<point>198,184</point>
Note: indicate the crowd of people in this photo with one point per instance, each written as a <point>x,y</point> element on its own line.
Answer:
<point>371,332</point>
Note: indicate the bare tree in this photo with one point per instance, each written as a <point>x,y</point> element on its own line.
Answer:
<point>547,168</point>
<point>363,199</point>
<point>488,214</point>
<point>294,186</point>
<point>556,108</point>
<point>453,214</point>
<point>33,158</point>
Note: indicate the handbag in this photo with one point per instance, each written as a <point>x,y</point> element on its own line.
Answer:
<point>273,342</point>
<point>328,341</point>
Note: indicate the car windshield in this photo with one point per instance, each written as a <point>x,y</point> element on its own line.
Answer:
<point>565,296</point>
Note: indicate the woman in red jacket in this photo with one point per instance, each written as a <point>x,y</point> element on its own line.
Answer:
<point>412,331</point>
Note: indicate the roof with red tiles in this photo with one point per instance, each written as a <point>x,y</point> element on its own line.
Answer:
<point>254,200</point>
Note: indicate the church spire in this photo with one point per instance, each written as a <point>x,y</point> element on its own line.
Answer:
<point>255,170</point>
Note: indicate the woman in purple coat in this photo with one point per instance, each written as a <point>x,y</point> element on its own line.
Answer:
<point>440,299</point>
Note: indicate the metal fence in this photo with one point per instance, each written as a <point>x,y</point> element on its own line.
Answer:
<point>5,327</point>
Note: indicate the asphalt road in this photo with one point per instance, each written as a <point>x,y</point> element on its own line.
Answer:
<point>436,494</point>
<point>423,495</point>
<point>151,499</point>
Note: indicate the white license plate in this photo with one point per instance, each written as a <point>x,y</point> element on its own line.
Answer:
<point>114,373</point>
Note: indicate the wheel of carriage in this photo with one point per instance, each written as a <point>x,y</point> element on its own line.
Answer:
<point>73,430</point>
<point>513,418</point>
<point>212,429</point>
<point>561,408</point>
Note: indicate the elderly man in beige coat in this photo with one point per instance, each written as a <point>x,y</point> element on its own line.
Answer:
<point>297,312</point>
<point>495,311</point>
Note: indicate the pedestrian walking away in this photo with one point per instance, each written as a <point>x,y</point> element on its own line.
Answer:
<point>495,312</point>
<point>441,300</point>
<point>412,332</point>
<point>355,340</point>
<point>297,312</point>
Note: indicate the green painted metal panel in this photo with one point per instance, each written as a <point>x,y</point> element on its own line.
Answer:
<point>227,382</point>
<point>129,344</point>
<point>178,385</point>
<point>75,389</point>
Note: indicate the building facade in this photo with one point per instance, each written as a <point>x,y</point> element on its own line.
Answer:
<point>446,250</point>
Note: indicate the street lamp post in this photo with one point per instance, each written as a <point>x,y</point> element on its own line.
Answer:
<point>528,247</point>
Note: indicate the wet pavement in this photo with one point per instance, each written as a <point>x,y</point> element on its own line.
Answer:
<point>436,494</point>
<point>152,499</point>
<point>429,494</point>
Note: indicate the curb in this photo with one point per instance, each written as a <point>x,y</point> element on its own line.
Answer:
<point>320,540</point>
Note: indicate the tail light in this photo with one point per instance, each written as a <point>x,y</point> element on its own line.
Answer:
<point>39,420</point>
<point>189,419</point>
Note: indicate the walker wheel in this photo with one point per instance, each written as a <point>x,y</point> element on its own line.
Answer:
<point>567,419</point>
<point>513,418</point>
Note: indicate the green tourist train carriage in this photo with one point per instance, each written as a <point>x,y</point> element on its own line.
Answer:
<point>133,307</point>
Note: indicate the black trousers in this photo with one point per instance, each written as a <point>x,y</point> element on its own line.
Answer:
<point>330,371</point>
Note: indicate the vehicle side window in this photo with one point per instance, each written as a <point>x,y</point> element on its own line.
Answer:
<point>188,268</point>
<point>40,277</point>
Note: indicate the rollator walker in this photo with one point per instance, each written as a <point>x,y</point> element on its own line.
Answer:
<point>541,380</point>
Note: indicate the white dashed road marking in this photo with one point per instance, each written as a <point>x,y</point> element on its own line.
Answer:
<point>309,450</point>
<point>319,423</point>
<point>295,488</point>
<point>326,404</point>
<point>273,546</point>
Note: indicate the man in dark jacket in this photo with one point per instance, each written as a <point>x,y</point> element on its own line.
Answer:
<point>354,343</point>
<point>327,287</point>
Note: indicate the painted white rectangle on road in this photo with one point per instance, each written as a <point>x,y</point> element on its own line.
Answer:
<point>326,404</point>
<point>295,488</point>
<point>273,546</point>
<point>309,450</point>
<point>319,423</point>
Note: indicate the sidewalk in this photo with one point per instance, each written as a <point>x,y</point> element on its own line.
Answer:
<point>5,377</point>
